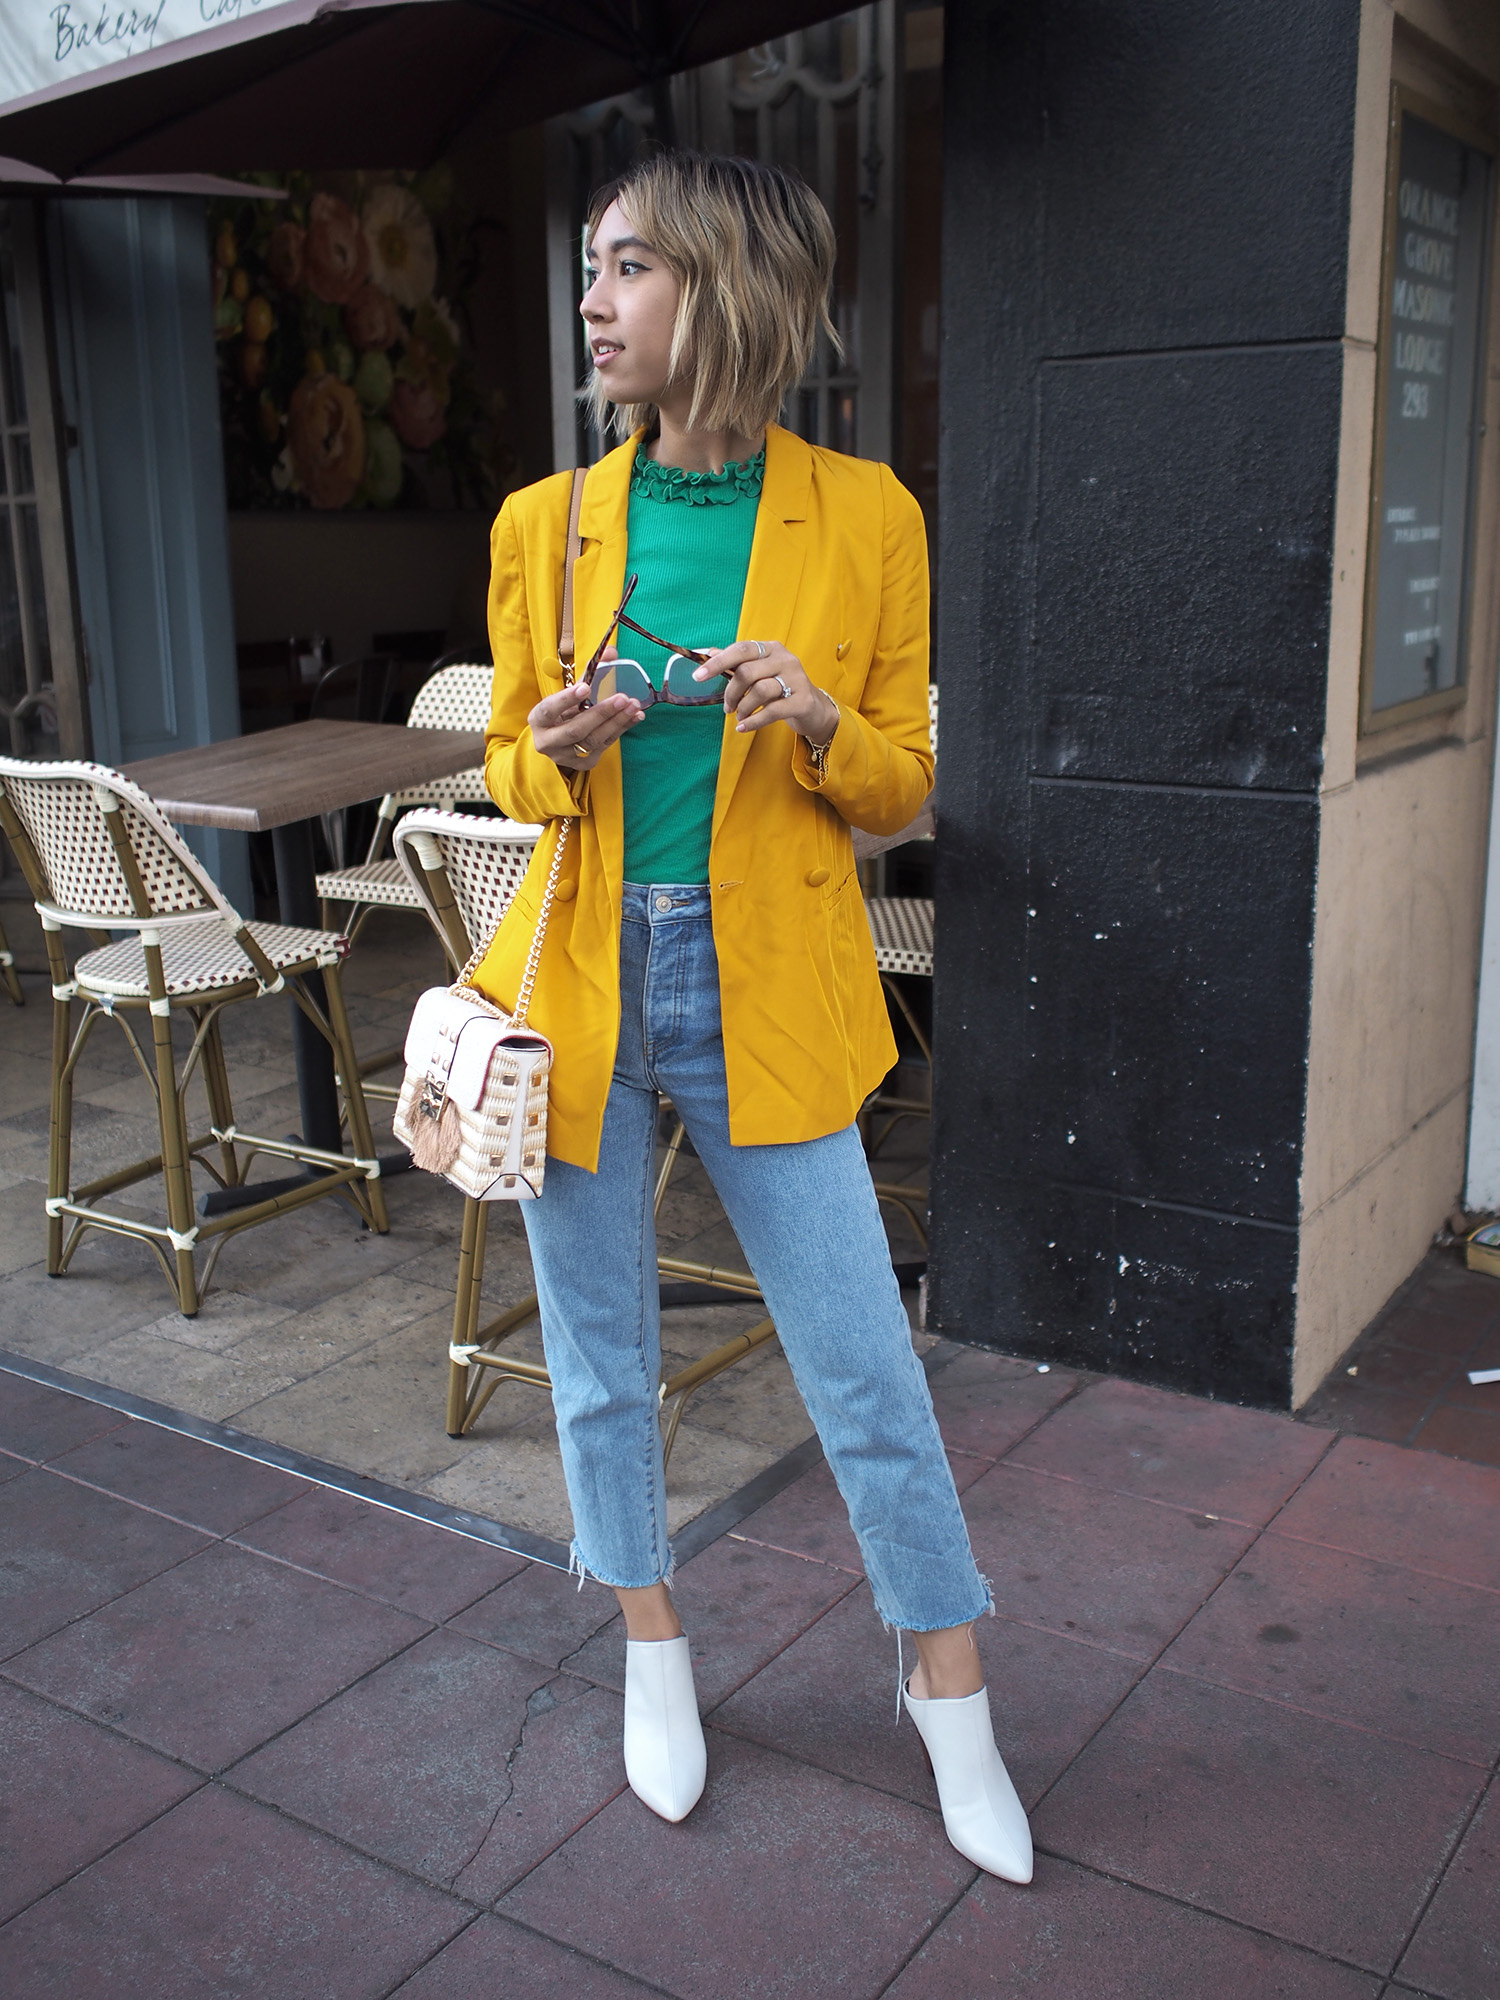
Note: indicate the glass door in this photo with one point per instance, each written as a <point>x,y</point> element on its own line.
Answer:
<point>41,696</point>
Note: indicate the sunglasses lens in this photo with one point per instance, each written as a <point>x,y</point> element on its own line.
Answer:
<point>624,677</point>
<point>678,684</point>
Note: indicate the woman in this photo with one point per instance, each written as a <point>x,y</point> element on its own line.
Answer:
<point>709,941</point>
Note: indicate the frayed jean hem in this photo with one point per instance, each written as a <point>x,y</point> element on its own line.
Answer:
<point>585,1573</point>
<point>985,1610</point>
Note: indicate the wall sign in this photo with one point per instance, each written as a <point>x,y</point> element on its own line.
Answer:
<point>1428,412</point>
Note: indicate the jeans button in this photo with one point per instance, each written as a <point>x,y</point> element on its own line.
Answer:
<point>664,902</point>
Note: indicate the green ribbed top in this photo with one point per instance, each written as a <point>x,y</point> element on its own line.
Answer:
<point>689,541</point>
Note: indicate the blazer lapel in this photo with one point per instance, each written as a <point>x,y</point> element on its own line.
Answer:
<point>600,575</point>
<point>777,555</point>
<point>598,581</point>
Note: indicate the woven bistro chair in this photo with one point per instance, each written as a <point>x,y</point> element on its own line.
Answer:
<point>100,856</point>
<point>464,872</point>
<point>901,927</point>
<point>456,697</point>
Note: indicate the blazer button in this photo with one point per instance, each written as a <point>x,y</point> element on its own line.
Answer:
<point>816,877</point>
<point>841,648</point>
<point>565,892</point>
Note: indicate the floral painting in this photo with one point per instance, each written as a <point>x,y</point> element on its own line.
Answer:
<point>346,375</point>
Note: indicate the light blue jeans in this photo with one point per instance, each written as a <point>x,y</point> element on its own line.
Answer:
<point>808,1222</point>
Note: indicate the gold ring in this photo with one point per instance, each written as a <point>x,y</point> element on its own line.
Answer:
<point>582,750</point>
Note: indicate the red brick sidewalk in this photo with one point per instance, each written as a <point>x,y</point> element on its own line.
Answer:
<point>264,1740</point>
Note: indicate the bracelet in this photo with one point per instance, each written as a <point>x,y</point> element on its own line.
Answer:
<point>818,752</point>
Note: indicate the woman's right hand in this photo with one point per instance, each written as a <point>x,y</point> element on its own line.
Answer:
<point>575,737</point>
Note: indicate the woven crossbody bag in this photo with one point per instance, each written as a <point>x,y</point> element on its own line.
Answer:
<point>473,1104</point>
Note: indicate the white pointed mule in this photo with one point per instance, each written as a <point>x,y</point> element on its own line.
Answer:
<point>666,1760</point>
<point>982,1816</point>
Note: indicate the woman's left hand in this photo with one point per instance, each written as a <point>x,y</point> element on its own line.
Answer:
<point>769,684</point>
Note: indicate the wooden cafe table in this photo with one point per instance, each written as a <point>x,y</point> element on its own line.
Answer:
<point>868,845</point>
<point>278,781</point>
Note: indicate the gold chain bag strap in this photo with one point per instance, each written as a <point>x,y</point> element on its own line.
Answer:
<point>473,1104</point>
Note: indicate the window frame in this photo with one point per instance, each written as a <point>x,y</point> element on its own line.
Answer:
<point>1442,704</point>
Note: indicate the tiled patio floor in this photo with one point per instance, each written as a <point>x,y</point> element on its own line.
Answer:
<point>263,1739</point>
<point>318,1336</point>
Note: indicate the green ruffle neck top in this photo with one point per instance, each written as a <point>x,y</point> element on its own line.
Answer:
<point>689,536</point>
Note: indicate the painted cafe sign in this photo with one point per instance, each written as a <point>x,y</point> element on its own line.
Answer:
<point>52,41</point>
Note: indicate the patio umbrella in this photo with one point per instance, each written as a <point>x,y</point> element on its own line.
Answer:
<point>326,84</point>
<point>17,177</point>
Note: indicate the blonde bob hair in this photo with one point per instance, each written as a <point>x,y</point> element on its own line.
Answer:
<point>752,248</point>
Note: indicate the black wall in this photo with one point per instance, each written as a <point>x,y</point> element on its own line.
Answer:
<point>1145,238</point>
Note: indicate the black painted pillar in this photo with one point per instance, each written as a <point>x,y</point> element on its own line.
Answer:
<point>1145,236</point>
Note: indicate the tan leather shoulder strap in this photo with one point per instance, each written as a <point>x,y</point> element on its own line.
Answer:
<point>565,631</point>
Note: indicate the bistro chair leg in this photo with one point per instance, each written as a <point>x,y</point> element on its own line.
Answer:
<point>220,1100</point>
<point>60,1136</point>
<point>174,1160</point>
<point>466,1309</point>
<point>8,975</point>
<point>663,1179</point>
<point>895,993</point>
<point>347,1063</point>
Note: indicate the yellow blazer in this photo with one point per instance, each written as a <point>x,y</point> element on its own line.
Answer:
<point>838,571</point>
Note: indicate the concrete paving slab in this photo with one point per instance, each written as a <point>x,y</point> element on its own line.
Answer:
<point>70,1549</point>
<point>1074,1935</point>
<point>37,1422</point>
<point>492,1949</point>
<point>211,1657</point>
<point>830,1699</point>
<point>707,1909</point>
<point>516,1477</point>
<point>72,1790</point>
<point>1126,1575</point>
<point>1456,1951</point>
<point>222,1321</point>
<point>1189,1833</point>
<point>741,1606</point>
<point>707,1465</point>
<point>806,1518</point>
<point>378,1410</point>
<point>1406,1507</point>
<point>454,1762</point>
<point>1342,1636</point>
<point>1180,1450</point>
<point>173,1372</point>
<point>220,1897</point>
<point>543,1615</point>
<point>425,1570</point>
<point>194,1483</point>
<point>60,1320</point>
<point>23,1221</point>
<point>986,1403</point>
<point>1328,1837</point>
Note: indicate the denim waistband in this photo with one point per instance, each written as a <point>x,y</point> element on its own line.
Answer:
<point>665,902</point>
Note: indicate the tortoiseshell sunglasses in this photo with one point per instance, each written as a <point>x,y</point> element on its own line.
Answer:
<point>628,677</point>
